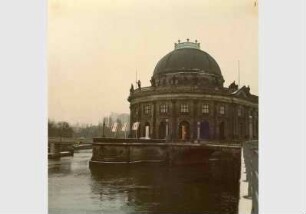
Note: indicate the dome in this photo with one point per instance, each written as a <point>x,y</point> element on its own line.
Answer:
<point>187,57</point>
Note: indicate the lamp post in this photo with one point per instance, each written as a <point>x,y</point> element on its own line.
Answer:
<point>103,135</point>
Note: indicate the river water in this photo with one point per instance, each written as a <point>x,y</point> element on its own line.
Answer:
<point>211,188</point>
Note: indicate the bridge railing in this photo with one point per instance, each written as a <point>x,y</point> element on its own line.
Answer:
<point>250,154</point>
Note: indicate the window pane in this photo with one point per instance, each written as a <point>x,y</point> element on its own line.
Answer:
<point>164,108</point>
<point>147,109</point>
<point>222,109</point>
<point>205,108</point>
<point>184,108</point>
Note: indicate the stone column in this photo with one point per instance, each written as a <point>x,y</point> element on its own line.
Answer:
<point>131,121</point>
<point>236,121</point>
<point>167,129</point>
<point>246,124</point>
<point>233,122</point>
<point>214,120</point>
<point>198,127</point>
<point>183,132</point>
<point>154,126</point>
<point>173,118</point>
<point>147,132</point>
<point>194,108</point>
<point>254,125</point>
<point>138,134</point>
<point>250,126</point>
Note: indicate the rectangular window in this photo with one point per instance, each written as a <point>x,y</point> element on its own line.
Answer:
<point>205,109</point>
<point>147,109</point>
<point>222,110</point>
<point>184,108</point>
<point>163,109</point>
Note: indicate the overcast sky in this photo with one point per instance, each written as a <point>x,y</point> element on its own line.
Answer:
<point>96,46</point>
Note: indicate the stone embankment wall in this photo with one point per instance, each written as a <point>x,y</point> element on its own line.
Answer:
<point>107,151</point>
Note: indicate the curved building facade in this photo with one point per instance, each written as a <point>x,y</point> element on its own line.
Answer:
<point>187,101</point>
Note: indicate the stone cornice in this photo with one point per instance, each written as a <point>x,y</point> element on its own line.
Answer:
<point>149,94</point>
<point>184,96</point>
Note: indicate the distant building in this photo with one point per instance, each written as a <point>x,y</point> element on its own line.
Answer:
<point>123,117</point>
<point>187,100</point>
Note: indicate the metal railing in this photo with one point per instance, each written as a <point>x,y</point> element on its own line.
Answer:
<point>250,155</point>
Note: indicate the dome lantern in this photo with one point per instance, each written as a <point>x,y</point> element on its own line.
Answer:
<point>187,45</point>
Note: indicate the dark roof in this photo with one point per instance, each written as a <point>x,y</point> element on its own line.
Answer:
<point>187,59</point>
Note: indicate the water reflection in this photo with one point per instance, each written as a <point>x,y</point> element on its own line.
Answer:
<point>207,188</point>
<point>211,188</point>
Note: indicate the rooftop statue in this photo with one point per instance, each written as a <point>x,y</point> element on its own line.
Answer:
<point>233,85</point>
<point>139,84</point>
<point>153,82</point>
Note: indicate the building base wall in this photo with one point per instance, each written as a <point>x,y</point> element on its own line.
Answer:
<point>165,153</point>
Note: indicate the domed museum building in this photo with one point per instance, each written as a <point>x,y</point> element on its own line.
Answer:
<point>187,101</point>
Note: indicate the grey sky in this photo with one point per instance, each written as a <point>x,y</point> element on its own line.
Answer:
<point>96,46</point>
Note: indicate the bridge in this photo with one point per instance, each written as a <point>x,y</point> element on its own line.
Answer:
<point>60,147</point>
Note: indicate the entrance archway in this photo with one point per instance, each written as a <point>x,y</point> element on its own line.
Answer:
<point>221,131</point>
<point>162,130</point>
<point>204,130</point>
<point>184,130</point>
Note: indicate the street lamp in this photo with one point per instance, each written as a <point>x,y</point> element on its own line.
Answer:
<point>103,128</point>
